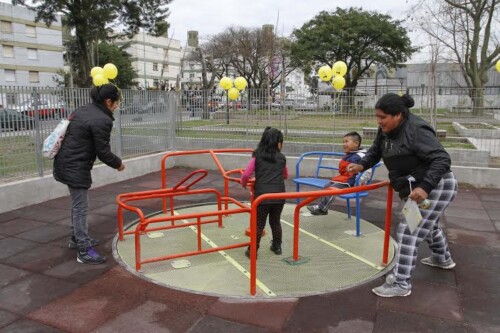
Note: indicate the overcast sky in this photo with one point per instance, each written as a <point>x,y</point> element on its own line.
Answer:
<point>210,17</point>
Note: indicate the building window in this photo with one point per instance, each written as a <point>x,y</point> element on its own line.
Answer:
<point>10,75</point>
<point>30,31</point>
<point>8,51</point>
<point>11,99</point>
<point>155,66</point>
<point>191,75</point>
<point>34,78</point>
<point>32,54</point>
<point>6,27</point>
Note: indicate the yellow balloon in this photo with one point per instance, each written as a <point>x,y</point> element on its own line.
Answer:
<point>96,70</point>
<point>233,94</point>
<point>339,68</point>
<point>325,73</point>
<point>110,71</point>
<point>338,82</point>
<point>498,65</point>
<point>225,83</point>
<point>99,80</point>
<point>240,83</point>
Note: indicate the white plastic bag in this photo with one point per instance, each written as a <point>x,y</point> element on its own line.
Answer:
<point>53,142</point>
<point>412,214</point>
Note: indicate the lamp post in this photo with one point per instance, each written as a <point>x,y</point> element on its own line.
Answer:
<point>401,81</point>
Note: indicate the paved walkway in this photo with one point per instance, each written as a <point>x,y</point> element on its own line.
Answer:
<point>44,289</point>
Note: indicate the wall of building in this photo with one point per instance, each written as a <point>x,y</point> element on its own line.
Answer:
<point>25,34</point>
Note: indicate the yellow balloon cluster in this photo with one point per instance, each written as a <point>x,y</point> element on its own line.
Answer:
<point>233,92</point>
<point>102,75</point>
<point>337,71</point>
<point>498,66</point>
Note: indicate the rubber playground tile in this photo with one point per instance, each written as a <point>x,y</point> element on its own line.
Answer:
<point>153,317</point>
<point>469,224</point>
<point>482,310</point>
<point>356,306</point>
<point>466,213</point>
<point>10,274</point>
<point>110,295</point>
<point>11,246</point>
<point>4,217</point>
<point>214,324</point>
<point>39,258</point>
<point>28,326</point>
<point>73,271</point>
<point>7,317</point>
<point>19,225</point>
<point>460,236</point>
<point>432,300</point>
<point>51,215</point>
<point>269,313</point>
<point>45,234</point>
<point>400,322</point>
<point>33,292</point>
<point>468,257</point>
<point>478,281</point>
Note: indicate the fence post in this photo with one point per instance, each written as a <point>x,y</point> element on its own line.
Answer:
<point>38,133</point>
<point>171,112</point>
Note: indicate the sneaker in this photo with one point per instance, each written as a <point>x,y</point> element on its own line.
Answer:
<point>72,242</point>
<point>318,211</point>
<point>247,253</point>
<point>90,256</point>
<point>394,290</point>
<point>432,261</point>
<point>276,248</point>
<point>312,207</point>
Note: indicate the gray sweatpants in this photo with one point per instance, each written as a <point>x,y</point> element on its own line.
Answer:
<point>79,209</point>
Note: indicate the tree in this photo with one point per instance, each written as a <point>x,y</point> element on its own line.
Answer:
<point>93,21</point>
<point>359,38</point>
<point>110,53</point>
<point>468,29</point>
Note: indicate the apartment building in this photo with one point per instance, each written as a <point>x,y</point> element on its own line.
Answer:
<point>157,60</point>
<point>31,54</point>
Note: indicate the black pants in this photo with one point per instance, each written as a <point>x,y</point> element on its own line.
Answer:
<point>274,211</point>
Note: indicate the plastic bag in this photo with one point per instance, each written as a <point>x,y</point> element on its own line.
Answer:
<point>53,142</point>
<point>412,215</point>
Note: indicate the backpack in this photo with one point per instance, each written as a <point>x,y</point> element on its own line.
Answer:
<point>53,142</point>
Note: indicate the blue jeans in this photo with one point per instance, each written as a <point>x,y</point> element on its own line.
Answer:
<point>79,209</point>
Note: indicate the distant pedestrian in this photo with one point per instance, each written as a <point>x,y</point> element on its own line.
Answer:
<point>269,165</point>
<point>419,170</point>
<point>87,138</point>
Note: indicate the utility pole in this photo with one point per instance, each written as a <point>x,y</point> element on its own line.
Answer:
<point>144,54</point>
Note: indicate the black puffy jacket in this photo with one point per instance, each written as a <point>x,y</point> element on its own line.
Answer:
<point>269,177</point>
<point>87,137</point>
<point>412,149</point>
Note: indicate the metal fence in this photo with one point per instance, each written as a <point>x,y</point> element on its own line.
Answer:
<point>156,121</point>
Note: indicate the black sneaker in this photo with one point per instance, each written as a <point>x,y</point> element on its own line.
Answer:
<point>90,256</point>
<point>72,243</point>
<point>275,247</point>
<point>247,253</point>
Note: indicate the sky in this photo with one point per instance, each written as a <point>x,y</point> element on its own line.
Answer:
<point>210,17</point>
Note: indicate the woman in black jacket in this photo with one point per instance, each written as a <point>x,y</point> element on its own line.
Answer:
<point>87,137</point>
<point>419,170</point>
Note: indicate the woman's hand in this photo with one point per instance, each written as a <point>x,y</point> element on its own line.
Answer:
<point>354,168</point>
<point>418,195</point>
<point>122,167</point>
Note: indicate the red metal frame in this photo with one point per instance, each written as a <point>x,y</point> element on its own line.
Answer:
<point>183,187</point>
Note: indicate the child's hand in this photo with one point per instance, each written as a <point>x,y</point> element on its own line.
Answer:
<point>354,168</point>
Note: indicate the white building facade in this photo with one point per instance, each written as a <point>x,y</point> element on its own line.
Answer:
<point>157,60</point>
<point>31,54</point>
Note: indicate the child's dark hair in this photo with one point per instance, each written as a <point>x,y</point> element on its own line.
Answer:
<point>104,92</point>
<point>268,145</point>
<point>355,136</point>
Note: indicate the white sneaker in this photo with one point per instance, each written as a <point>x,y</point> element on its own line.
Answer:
<point>432,261</point>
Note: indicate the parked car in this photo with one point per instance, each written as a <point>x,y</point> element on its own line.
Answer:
<point>46,108</point>
<point>12,119</point>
